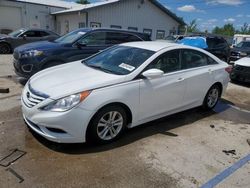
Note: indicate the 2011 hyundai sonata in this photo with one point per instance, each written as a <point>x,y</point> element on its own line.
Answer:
<point>121,87</point>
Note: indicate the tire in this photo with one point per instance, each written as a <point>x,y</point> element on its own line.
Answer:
<point>5,48</point>
<point>51,64</point>
<point>212,97</point>
<point>107,125</point>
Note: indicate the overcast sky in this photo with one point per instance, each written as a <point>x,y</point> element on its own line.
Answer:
<point>209,13</point>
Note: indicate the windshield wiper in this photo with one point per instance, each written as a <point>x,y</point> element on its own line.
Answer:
<point>100,68</point>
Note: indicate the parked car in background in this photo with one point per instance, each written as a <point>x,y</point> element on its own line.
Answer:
<point>241,70</point>
<point>174,38</point>
<point>213,44</point>
<point>240,50</point>
<point>123,86</point>
<point>22,36</point>
<point>76,45</point>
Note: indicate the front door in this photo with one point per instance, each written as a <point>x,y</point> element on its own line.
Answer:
<point>163,94</point>
<point>88,45</point>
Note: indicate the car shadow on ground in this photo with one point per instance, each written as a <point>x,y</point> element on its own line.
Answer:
<point>161,126</point>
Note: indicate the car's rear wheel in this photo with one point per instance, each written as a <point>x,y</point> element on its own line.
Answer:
<point>107,124</point>
<point>5,48</point>
<point>212,97</point>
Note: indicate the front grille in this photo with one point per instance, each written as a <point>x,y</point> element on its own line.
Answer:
<point>31,97</point>
<point>242,69</point>
<point>235,53</point>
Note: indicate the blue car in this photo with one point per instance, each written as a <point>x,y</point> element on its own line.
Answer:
<point>76,45</point>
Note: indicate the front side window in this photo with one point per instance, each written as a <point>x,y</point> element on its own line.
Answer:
<point>70,37</point>
<point>192,59</point>
<point>167,62</point>
<point>32,34</point>
<point>94,39</point>
<point>119,60</point>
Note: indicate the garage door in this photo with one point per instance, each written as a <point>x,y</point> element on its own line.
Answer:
<point>10,17</point>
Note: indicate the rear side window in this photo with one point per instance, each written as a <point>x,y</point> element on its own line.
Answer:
<point>167,62</point>
<point>192,59</point>
<point>117,38</point>
<point>216,43</point>
<point>44,34</point>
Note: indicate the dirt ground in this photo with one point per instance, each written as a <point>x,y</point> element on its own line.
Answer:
<point>182,150</point>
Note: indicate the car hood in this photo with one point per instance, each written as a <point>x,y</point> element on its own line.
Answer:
<point>3,36</point>
<point>67,79</point>
<point>245,61</point>
<point>235,49</point>
<point>41,45</point>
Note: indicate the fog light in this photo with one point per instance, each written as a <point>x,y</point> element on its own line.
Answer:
<point>27,68</point>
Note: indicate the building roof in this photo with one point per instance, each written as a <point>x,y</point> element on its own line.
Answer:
<point>87,6</point>
<point>102,3</point>
<point>54,3</point>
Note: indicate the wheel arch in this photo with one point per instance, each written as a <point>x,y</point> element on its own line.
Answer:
<point>219,84</point>
<point>124,106</point>
<point>5,42</point>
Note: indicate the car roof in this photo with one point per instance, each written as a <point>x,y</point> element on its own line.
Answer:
<point>151,45</point>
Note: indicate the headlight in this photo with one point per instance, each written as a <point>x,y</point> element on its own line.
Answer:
<point>243,53</point>
<point>66,103</point>
<point>31,53</point>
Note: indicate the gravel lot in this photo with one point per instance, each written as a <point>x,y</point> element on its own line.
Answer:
<point>182,150</point>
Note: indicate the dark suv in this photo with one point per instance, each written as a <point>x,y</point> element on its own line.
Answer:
<point>214,44</point>
<point>240,50</point>
<point>76,45</point>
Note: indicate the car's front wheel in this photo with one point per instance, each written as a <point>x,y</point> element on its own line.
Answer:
<point>212,97</point>
<point>5,48</point>
<point>107,124</point>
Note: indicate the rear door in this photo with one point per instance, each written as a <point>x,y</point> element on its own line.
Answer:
<point>199,75</point>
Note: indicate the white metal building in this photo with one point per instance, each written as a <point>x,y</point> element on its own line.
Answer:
<point>15,14</point>
<point>147,16</point>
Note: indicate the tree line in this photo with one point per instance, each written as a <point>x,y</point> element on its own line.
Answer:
<point>228,29</point>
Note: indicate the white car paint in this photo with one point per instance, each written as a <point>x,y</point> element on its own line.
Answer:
<point>245,61</point>
<point>147,99</point>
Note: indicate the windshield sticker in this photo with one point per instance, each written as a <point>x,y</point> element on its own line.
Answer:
<point>127,67</point>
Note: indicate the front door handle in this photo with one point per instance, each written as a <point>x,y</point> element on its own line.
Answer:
<point>210,71</point>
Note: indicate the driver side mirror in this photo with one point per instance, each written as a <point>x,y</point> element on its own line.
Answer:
<point>153,73</point>
<point>24,37</point>
<point>80,45</point>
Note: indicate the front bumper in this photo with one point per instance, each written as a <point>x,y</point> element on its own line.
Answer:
<point>62,127</point>
<point>240,76</point>
<point>26,67</point>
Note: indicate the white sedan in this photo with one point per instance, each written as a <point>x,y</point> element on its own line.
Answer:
<point>121,87</point>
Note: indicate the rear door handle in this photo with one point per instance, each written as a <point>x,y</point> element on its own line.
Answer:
<point>180,79</point>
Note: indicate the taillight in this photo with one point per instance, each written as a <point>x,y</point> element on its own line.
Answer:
<point>229,69</point>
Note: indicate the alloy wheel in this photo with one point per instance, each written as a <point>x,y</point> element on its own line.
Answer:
<point>212,97</point>
<point>110,125</point>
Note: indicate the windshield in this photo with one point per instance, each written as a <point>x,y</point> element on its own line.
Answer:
<point>70,37</point>
<point>119,60</point>
<point>16,33</point>
<point>243,44</point>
